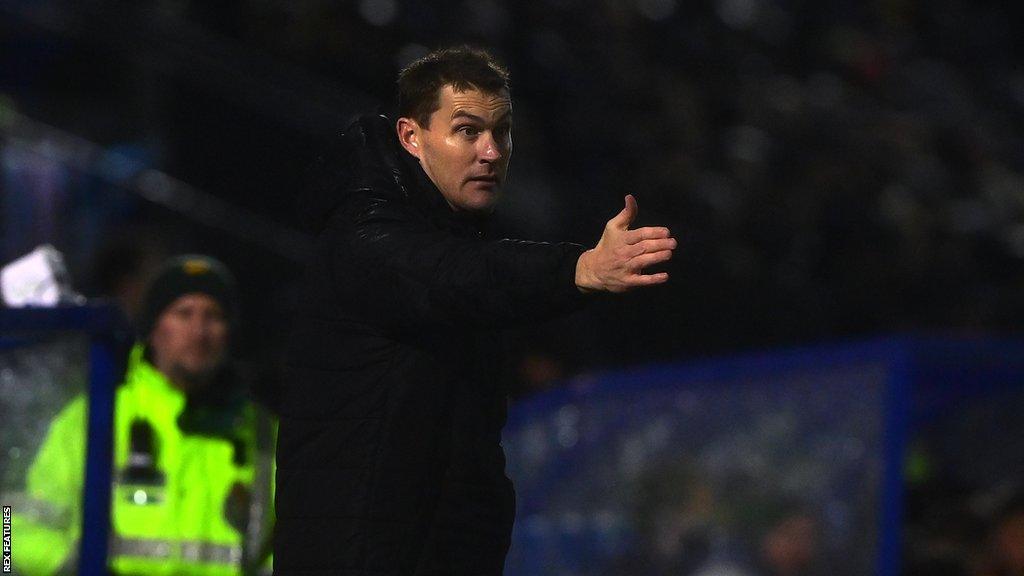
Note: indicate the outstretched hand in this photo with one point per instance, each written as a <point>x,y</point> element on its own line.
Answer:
<point>616,264</point>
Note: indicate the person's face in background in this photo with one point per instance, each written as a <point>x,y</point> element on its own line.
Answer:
<point>466,147</point>
<point>189,340</point>
<point>789,548</point>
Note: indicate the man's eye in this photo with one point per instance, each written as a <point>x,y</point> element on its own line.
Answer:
<point>469,130</point>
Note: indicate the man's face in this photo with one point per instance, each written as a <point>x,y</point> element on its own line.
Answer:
<point>189,340</point>
<point>466,148</point>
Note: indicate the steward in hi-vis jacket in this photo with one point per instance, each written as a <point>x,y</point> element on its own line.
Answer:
<point>193,454</point>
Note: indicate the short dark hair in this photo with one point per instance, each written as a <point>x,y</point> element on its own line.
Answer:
<point>461,67</point>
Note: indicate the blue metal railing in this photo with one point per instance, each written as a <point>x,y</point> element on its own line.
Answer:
<point>108,336</point>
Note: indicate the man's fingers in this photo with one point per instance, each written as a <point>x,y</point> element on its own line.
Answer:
<point>623,219</point>
<point>646,247</point>
<point>645,260</point>
<point>649,279</point>
<point>646,233</point>
<point>651,246</point>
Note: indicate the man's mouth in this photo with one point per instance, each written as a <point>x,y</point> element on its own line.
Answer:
<point>491,179</point>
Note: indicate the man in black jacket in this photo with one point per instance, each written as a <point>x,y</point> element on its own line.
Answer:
<point>389,455</point>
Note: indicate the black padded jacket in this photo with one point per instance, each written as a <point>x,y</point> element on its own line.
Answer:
<point>389,456</point>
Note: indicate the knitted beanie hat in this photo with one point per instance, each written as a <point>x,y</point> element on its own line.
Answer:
<point>187,274</point>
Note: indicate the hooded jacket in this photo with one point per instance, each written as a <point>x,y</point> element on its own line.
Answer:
<point>389,455</point>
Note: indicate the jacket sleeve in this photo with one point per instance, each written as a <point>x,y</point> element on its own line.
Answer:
<point>47,525</point>
<point>413,275</point>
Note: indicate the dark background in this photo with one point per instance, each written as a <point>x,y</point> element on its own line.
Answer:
<point>832,169</point>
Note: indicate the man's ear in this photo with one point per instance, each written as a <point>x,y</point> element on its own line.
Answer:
<point>409,135</point>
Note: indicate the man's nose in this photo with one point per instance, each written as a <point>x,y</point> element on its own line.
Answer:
<point>199,326</point>
<point>490,151</point>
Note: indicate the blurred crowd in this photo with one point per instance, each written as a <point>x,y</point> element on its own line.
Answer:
<point>832,169</point>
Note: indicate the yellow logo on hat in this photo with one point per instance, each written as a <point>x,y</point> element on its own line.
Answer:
<point>195,267</point>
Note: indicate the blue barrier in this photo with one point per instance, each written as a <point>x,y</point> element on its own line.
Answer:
<point>605,464</point>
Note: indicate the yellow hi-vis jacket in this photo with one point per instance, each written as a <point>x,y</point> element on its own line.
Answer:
<point>175,523</point>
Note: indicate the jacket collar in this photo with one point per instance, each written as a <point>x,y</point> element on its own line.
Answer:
<point>149,385</point>
<point>383,149</point>
<point>215,413</point>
